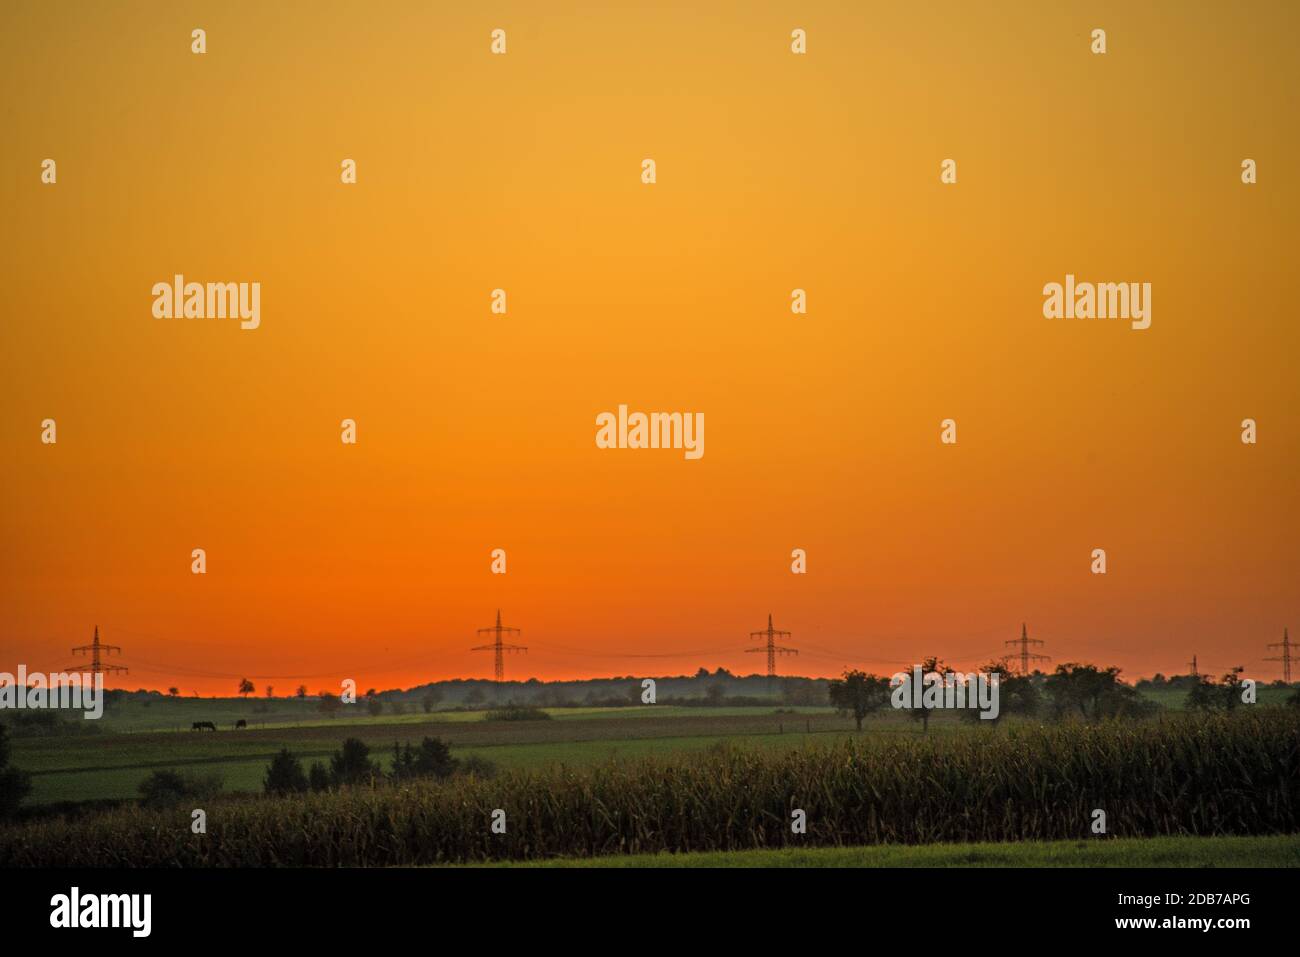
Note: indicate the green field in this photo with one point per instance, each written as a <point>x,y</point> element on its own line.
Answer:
<point>1275,851</point>
<point>134,716</point>
<point>111,765</point>
<point>138,736</point>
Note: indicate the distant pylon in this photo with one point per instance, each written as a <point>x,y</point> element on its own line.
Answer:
<point>97,665</point>
<point>1285,657</point>
<point>1195,672</point>
<point>498,647</point>
<point>1024,641</point>
<point>772,648</point>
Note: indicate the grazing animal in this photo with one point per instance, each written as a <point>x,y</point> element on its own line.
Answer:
<point>203,725</point>
<point>241,723</point>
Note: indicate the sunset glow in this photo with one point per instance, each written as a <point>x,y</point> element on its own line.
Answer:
<point>478,431</point>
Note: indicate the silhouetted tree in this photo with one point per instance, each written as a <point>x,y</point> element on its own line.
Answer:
<point>858,694</point>
<point>1093,693</point>
<point>1221,695</point>
<point>432,759</point>
<point>284,775</point>
<point>352,764</point>
<point>935,665</point>
<point>245,687</point>
<point>1017,694</point>
<point>318,777</point>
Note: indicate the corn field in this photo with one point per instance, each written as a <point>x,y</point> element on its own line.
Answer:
<point>1227,774</point>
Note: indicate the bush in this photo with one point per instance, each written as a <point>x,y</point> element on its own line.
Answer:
<point>318,778</point>
<point>284,775</point>
<point>167,789</point>
<point>352,764</point>
<point>432,759</point>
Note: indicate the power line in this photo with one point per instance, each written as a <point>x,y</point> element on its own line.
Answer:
<point>583,653</point>
<point>100,651</point>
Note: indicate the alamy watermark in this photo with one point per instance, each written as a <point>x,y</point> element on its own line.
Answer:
<point>1103,300</point>
<point>933,690</point>
<point>179,299</point>
<point>654,430</point>
<point>75,909</point>
<point>62,690</point>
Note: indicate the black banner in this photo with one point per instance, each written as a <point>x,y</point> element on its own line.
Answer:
<point>528,905</point>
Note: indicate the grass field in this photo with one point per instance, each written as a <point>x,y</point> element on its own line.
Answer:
<point>156,713</point>
<point>111,766</point>
<point>133,739</point>
<point>1274,851</point>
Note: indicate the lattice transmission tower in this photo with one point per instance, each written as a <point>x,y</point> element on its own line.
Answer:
<point>499,647</point>
<point>1026,656</point>
<point>97,651</point>
<point>1285,657</point>
<point>771,647</point>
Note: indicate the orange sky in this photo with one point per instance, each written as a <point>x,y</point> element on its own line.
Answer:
<point>476,431</point>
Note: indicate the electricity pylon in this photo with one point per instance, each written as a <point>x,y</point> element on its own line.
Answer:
<point>1024,641</point>
<point>96,649</point>
<point>1285,657</point>
<point>498,646</point>
<point>772,648</point>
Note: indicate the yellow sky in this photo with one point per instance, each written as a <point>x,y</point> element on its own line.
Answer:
<point>476,431</point>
